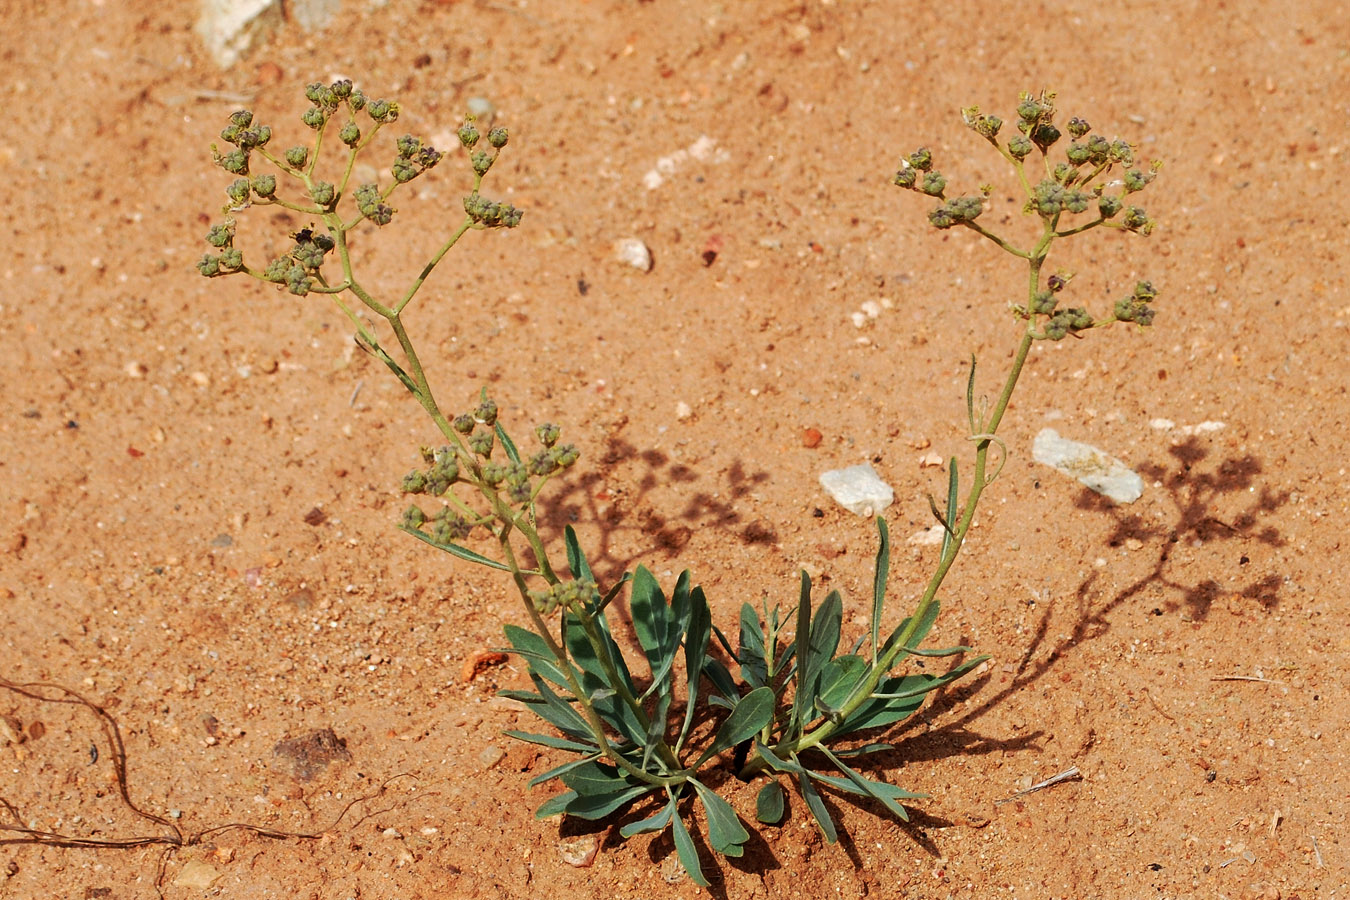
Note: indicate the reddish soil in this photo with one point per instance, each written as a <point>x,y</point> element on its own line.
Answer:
<point>165,439</point>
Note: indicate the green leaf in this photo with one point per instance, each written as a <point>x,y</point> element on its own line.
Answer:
<point>558,712</point>
<point>462,552</point>
<point>556,805</point>
<point>754,670</point>
<point>726,834</point>
<point>776,763</point>
<point>697,634</point>
<point>547,740</point>
<point>536,652</point>
<point>600,790</point>
<point>824,642</point>
<point>879,578</point>
<point>953,496</point>
<point>559,771</point>
<point>752,713</point>
<point>770,805</point>
<point>838,679</point>
<point>898,698</point>
<point>576,560</point>
<point>651,615</point>
<point>595,678</point>
<point>804,693</point>
<point>688,853</point>
<point>721,678</point>
<point>863,750</point>
<point>878,791</point>
<point>920,632</point>
<point>658,822</point>
<point>507,444</point>
<point>817,807</point>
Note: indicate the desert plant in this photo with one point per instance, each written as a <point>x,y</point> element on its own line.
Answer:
<point>796,706</point>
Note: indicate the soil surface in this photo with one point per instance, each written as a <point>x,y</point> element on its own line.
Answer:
<point>199,478</point>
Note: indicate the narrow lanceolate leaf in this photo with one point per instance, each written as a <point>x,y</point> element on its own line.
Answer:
<point>752,713</point>
<point>597,806</point>
<point>536,653</point>
<point>576,560</point>
<point>770,805</point>
<point>559,771</point>
<point>879,578</point>
<point>721,678</point>
<point>775,762</point>
<point>555,806</point>
<point>878,791</point>
<point>600,790</point>
<point>820,650</point>
<point>802,701</point>
<point>726,834</point>
<point>697,635</point>
<point>463,553</point>
<point>838,679</point>
<point>548,740</point>
<point>924,626</point>
<point>507,444</point>
<point>754,669</point>
<point>556,711</point>
<point>953,497</point>
<point>658,822</point>
<point>688,853</point>
<point>817,807</point>
<point>651,615</point>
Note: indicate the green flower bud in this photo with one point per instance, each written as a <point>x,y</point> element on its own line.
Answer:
<point>905,176</point>
<point>357,101</point>
<point>1144,292</point>
<point>265,186</point>
<point>296,157</point>
<point>414,482</point>
<point>255,137</point>
<point>566,455</point>
<point>220,235</point>
<point>314,117</point>
<point>235,162</point>
<point>548,434</point>
<point>493,474</point>
<point>921,159</point>
<point>238,191</point>
<point>209,265</point>
<point>298,281</point>
<point>450,528</point>
<point>480,442</point>
<point>1135,180</point>
<point>324,193</point>
<point>1043,303</point>
<point>1028,110</point>
<point>230,134</point>
<point>933,184</point>
<point>241,118</point>
<point>1076,201</point>
<point>314,92</point>
<point>276,270</point>
<point>942,218</point>
<point>1044,135</point>
<point>486,412</point>
<point>464,423</point>
<point>481,162</point>
<point>1137,220</point>
<point>543,464</point>
<point>231,259</point>
<point>408,146</point>
<point>965,208</point>
<point>1077,153</point>
<point>1099,149</point>
<point>1122,153</point>
<point>1078,127</point>
<point>403,171</point>
<point>1108,205</point>
<point>498,137</point>
<point>342,88</point>
<point>468,135</point>
<point>1019,147</point>
<point>1048,198</point>
<point>350,134</point>
<point>383,111</point>
<point>413,518</point>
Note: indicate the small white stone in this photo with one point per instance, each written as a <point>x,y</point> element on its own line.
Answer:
<point>1098,470</point>
<point>858,489</point>
<point>634,253</point>
<point>683,411</point>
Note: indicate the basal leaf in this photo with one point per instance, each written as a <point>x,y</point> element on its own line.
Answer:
<point>879,577</point>
<point>752,713</point>
<point>597,806</point>
<point>817,807</point>
<point>726,834</point>
<point>754,669</point>
<point>688,853</point>
<point>555,806</point>
<point>878,791</point>
<point>658,822</point>
<point>697,635</point>
<point>547,740</point>
<point>559,771</point>
<point>770,805</point>
<point>838,679</point>
<point>651,615</point>
<point>824,642</point>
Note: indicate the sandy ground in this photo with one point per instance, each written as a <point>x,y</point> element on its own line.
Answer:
<point>199,478</point>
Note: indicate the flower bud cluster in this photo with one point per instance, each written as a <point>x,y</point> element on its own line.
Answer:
<point>490,213</point>
<point>245,138</point>
<point>413,158</point>
<point>1065,322</point>
<point>953,211</point>
<point>575,596</point>
<point>229,260</point>
<point>371,204</point>
<point>1135,307</point>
